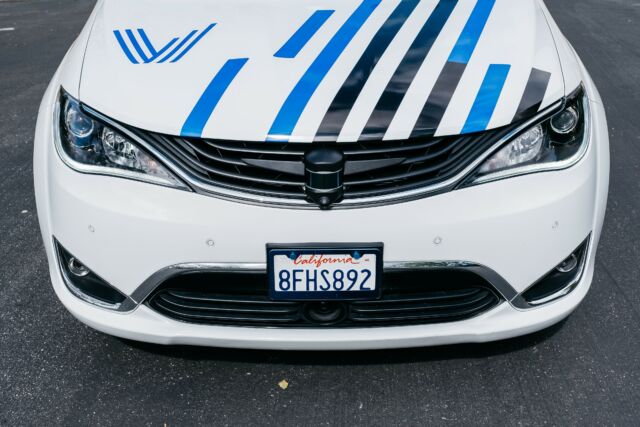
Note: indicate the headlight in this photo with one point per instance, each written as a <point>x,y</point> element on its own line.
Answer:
<point>555,142</point>
<point>88,145</point>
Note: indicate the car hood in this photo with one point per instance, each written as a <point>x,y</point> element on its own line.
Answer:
<point>303,71</point>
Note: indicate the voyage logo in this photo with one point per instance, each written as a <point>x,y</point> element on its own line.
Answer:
<point>139,49</point>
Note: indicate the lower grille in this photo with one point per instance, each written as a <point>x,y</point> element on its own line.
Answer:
<point>408,297</point>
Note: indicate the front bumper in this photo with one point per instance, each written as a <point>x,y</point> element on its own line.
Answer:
<point>127,231</point>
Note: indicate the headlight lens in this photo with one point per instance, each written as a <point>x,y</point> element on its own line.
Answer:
<point>555,142</point>
<point>90,146</point>
<point>523,149</point>
<point>565,121</point>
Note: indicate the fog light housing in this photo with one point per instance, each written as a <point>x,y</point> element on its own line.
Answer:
<point>77,268</point>
<point>87,285</point>
<point>560,281</point>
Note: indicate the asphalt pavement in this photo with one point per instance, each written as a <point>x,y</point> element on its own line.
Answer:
<point>55,371</point>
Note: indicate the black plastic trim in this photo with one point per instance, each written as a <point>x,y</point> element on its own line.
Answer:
<point>410,296</point>
<point>91,288</point>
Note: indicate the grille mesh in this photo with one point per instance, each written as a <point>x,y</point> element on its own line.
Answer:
<point>241,299</point>
<point>374,168</point>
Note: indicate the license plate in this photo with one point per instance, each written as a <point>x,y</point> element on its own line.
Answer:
<point>330,272</point>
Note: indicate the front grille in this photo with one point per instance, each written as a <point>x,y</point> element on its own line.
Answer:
<point>408,297</point>
<point>372,169</point>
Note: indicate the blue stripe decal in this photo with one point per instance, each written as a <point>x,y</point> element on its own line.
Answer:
<point>193,43</point>
<point>487,98</point>
<point>201,113</point>
<point>124,47</point>
<point>451,74</point>
<point>136,45</point>
<point>177,48</point>
<point>165,48</point>
<point>147,42</point>
<point>471,33</point>
<point>301,37</point>
<point>299,97</point>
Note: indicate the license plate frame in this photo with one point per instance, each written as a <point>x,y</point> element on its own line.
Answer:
<point>353,249</point>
